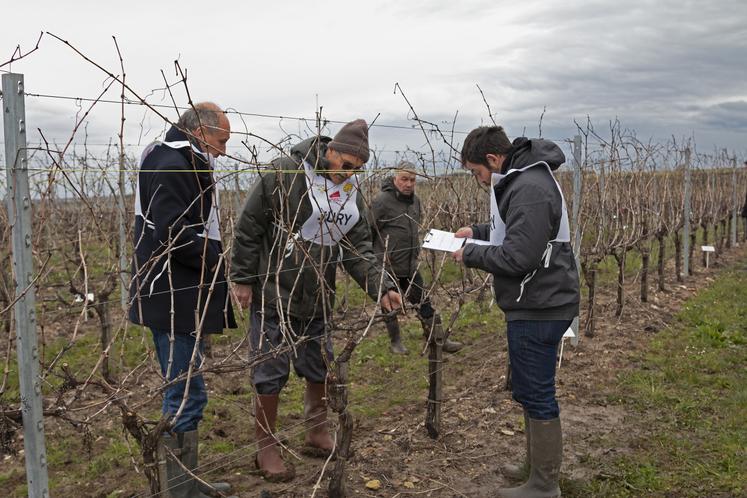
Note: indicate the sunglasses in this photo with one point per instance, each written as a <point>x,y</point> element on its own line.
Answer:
<point>346,165</point>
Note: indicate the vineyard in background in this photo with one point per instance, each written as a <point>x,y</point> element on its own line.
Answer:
<point>640,210</point>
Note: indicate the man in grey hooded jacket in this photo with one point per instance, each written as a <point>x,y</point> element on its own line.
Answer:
<point>535,281</point>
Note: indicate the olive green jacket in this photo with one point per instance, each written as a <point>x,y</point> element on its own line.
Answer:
<point>287,274</point>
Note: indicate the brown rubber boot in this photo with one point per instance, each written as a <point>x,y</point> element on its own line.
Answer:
<point>395,338</point>
<point>268,459</point>
<point>520,472</point>
<point>317,442</point>
<point>546,442</point>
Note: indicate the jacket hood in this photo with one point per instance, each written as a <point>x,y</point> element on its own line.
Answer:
<point>312,150</point>
<point>526,152</point>
<point>387,185</point>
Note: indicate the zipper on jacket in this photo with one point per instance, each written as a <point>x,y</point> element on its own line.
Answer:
<point>545,261</point>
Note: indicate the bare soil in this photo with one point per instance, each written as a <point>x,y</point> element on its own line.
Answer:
<point>482,428</point>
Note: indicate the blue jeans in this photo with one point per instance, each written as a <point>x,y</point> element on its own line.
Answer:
<point>172,397</point>
<point>533,352</point>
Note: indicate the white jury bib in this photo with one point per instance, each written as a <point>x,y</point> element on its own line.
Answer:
<point>498,224</point>
<point>333,208</point>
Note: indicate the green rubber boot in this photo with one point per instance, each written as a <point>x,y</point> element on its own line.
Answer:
<point>546,455</point>
<point>520,472</point>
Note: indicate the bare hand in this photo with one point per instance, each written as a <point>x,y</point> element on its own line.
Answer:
<point>458,255</point>
<point>464,233</point>
<point>243,295</point>
<point>391,301</point>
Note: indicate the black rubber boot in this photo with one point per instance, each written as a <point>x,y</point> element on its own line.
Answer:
<point>429,324</point>
<point>520,472</point>
<point>452,346</point>
<point>546,442</point>
<point>395,339</point>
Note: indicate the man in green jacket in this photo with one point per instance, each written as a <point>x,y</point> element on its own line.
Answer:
<point>395,219</point>
<point>299,221</point>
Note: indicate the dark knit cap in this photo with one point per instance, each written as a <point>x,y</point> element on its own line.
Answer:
<point>352,139</point>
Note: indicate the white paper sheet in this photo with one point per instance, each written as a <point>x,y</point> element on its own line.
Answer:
<point>439,240</point>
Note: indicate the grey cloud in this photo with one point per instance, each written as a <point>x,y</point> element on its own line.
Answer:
<point>643,61</point>
<point>662,67</point>
<point>731,115</point>
<point>437,8</point>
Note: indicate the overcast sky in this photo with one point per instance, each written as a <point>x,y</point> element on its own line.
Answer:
<point>662,67</point>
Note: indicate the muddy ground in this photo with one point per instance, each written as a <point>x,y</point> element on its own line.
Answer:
<point>481,427</point>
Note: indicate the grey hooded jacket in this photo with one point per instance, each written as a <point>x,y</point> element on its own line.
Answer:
<point>531,205</point>
<point>290,275</point>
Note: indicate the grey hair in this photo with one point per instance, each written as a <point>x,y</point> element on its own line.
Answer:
<point>203,114</point>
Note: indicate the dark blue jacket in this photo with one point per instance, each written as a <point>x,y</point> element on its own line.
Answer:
<point>174,262</point>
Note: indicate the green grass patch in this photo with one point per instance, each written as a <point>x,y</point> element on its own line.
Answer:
<point>381,380</point>
<point>7,476</point>
<point>691,393</point>
<point>116,455</point>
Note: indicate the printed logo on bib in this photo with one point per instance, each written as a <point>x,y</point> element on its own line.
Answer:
<point>334,209</point>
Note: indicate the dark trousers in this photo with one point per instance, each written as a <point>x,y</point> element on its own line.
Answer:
<point>533,352</point>
<point>413,289</point>
<point>310,356</point>
<point>173,395</point>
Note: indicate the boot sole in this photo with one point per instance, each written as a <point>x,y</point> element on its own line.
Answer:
<point>288,475</point>
<point>316,452</point>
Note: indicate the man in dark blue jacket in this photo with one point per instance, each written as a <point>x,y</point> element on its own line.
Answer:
<point>535,282</point>
<point>179,287</point>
